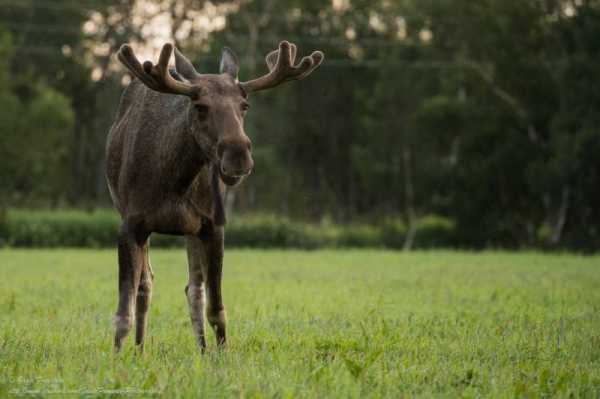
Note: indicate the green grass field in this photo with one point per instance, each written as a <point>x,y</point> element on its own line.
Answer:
<point>310,324</point>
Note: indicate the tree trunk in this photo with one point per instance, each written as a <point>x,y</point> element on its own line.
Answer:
<point>409,198</point>
<point>561,216</point>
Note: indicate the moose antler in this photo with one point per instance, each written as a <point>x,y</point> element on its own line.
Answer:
<point>156,77</point>
<point>282,68</point>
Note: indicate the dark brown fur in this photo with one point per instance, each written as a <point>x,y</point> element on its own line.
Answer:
<point>173,148</point>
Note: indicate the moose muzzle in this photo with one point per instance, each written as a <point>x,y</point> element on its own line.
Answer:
<point>235,158</point>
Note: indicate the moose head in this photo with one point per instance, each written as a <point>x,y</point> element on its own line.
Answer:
<point>218,102</point>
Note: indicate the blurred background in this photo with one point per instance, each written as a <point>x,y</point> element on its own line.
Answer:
<point>452,123</point>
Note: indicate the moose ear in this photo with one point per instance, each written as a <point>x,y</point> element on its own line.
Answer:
<point>184,66</point>
<point>229,63</point>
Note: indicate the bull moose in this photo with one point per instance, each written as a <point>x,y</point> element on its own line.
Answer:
<point>178,140</point>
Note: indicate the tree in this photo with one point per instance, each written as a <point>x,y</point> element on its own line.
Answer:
<point>34,163</point>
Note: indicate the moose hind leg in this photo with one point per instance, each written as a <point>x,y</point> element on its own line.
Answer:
<point>144,297</point>
<point>130,269</point>
<point>195,291</point>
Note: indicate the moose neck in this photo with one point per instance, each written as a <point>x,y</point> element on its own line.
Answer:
<point>182,154</point>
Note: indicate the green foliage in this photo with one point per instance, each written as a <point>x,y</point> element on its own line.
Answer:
<point>431,232</point>
<point>435,232</point>
<point>34,160</point>
<point>360,236</point>
<point>394,233</point>
<point>6,50</point>
<point>483,112</point>
<point>61,228</point>
<point>273,232</point>
<point>310,324</point>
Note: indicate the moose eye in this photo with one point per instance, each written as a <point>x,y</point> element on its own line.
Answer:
<point>245,106</point>
<point>202,110</point>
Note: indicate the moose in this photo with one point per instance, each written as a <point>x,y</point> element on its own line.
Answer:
<point>177,143</point>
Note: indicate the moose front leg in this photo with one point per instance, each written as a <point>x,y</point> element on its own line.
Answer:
<point>194,291</point>
<point>131,259</point>
<point>144,297</point>
<point>215,311</point>
<point>205,253</point>
<point>205,256</point>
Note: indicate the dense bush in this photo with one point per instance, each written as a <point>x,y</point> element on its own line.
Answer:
<point>60,228</point>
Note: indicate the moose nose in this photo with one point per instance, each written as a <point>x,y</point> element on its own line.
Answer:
<point>236,158</point>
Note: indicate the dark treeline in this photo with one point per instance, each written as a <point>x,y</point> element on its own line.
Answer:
<point>486,112</point>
